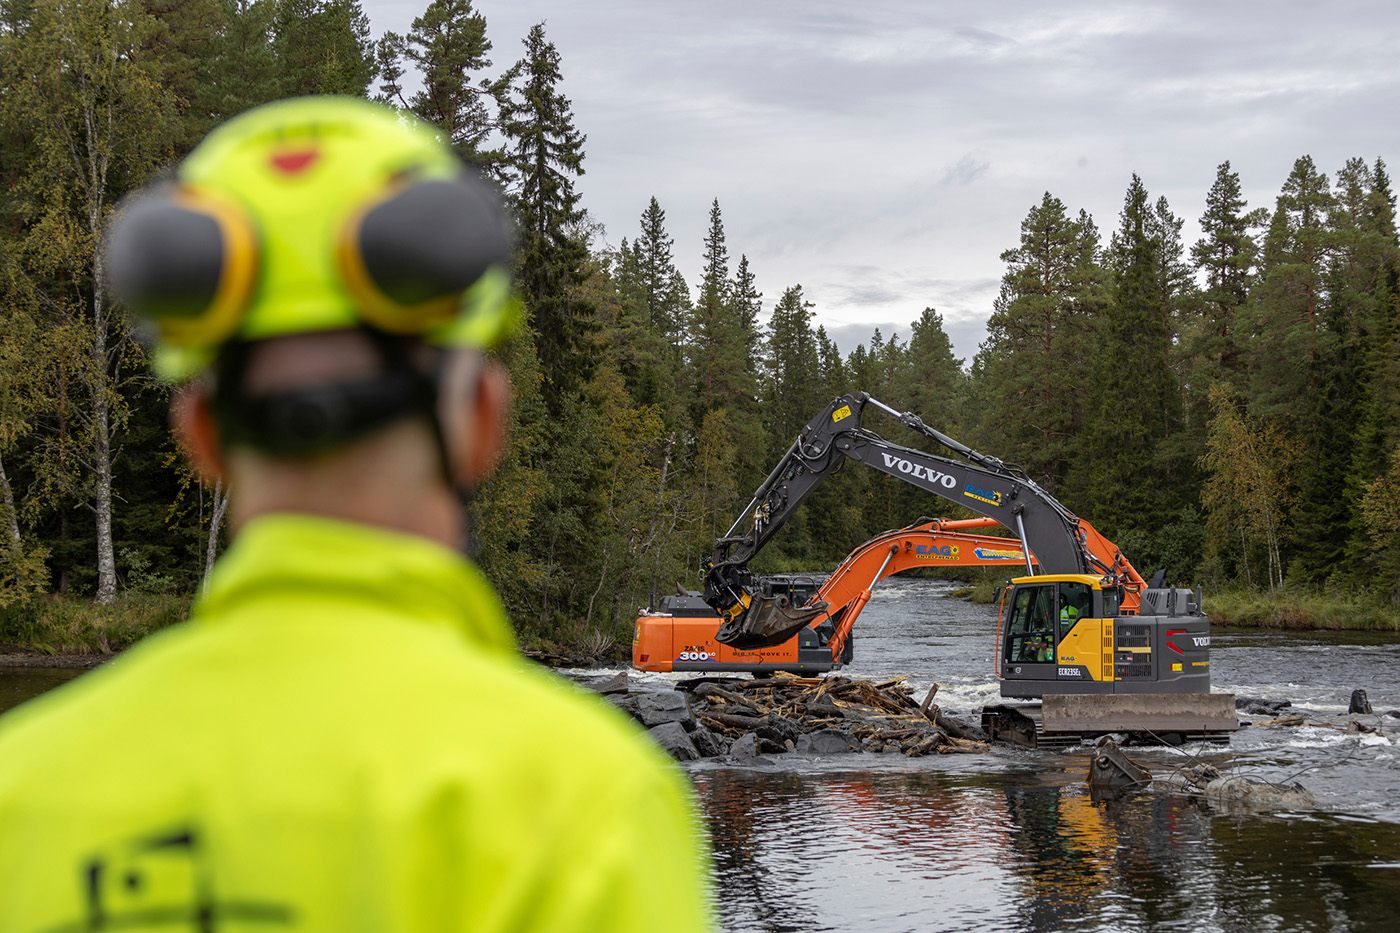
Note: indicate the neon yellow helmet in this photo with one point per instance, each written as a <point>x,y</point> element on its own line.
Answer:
<point>314,214</point>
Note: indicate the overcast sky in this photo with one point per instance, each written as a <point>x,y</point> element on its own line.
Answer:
<point>884,154</point>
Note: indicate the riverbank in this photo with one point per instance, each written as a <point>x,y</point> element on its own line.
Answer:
<point>1284,610</point>
<point>59,631</point>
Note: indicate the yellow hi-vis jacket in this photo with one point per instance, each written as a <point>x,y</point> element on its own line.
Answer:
<point>343,739</point>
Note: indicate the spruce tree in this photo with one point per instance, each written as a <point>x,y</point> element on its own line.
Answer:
<point>546,155</point>
<point>1289,339</point>
<point>718,353</point>
<point>748,304</point>
<point>1226,253</point>
<point>1125,475</point>
<point>1038,355</point>
<point>657,277</point>
<point>792,387</point>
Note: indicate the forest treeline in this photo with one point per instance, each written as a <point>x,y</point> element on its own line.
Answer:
<point>1227,409</point>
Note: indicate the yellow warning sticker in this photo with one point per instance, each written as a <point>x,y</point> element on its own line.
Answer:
<point>841,414</point>
<point>1176,667</point>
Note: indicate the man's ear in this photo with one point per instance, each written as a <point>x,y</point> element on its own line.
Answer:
<point>475,420</point>
<point>192,420</point>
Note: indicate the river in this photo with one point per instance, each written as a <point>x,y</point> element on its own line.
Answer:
<point>1012,840</point>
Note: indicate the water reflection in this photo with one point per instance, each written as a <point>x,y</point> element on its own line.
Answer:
<point>938,851</point>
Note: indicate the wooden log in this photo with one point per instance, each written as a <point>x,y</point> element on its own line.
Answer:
<point>928,699</point>
<point>747,723</point>
<point>715,690</point>
<point>788,681</point>
<point>935,716</point>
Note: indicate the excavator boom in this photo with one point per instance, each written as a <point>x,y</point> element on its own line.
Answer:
<point>681,636</point>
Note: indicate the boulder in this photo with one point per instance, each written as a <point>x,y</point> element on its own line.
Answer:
<point>614,685</point>
<point>1259,793</point>
<point>628,704</point>
<point>653,709</point>
<point>745,746</point>
<point>778,731</point>
<point>827,742</point>
<point>1359,703</point>
<point>709,744</point>
<point>1257,706</point>
<point>673,737</point>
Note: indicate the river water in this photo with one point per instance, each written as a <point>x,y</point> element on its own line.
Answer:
<point>1012,840</point>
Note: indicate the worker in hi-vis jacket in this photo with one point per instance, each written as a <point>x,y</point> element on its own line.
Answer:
<point>343,737</point>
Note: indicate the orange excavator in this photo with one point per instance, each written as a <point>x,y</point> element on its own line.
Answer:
<point>681,635</point>
<point>1101,648</point>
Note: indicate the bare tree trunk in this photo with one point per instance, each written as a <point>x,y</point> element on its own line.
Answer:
<point>216,522</point>
<point>11,516</point>
<point>102,433</point>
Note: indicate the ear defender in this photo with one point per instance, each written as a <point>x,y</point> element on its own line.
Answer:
<point>186,260</point>
<point>407,257</point>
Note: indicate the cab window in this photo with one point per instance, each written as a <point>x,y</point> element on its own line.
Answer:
<point>1076,602</point>
<point>1030,628</point>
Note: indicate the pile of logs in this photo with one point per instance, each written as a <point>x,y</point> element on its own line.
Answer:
<point>825,715</point>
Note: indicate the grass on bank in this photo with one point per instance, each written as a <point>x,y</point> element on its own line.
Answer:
<point>62,625</point>
<point>1290,609</point>
<point>1286,609</point>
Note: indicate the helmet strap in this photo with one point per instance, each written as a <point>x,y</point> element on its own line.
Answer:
<point>304,422</point>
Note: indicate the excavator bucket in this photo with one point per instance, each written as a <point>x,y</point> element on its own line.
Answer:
<point>768,621</point>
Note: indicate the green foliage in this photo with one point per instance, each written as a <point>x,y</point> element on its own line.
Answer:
<point>1298,609</point>
<point>1037,360</point>
<point>1245,432</point>
<point>57,625</point>
<point>545,155</point>
<point>322,47</point>
<point>447,45</point>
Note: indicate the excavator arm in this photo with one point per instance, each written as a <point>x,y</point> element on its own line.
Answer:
<point>928,542</point>
<point>1059,541</point>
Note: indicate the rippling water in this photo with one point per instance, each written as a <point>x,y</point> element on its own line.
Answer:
<point>1012,840</point>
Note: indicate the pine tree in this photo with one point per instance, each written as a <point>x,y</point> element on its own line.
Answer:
<point>447,45</point>
<point>238,70</point>
<point>546,155</point>
<point>322,47</point>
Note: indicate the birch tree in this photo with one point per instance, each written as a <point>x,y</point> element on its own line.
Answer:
<point>78,74</point>
<point>1246,494</point>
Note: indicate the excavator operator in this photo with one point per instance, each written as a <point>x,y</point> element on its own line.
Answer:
<point>343,737</point>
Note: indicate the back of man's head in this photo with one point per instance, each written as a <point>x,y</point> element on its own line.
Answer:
<point>328,265</point>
